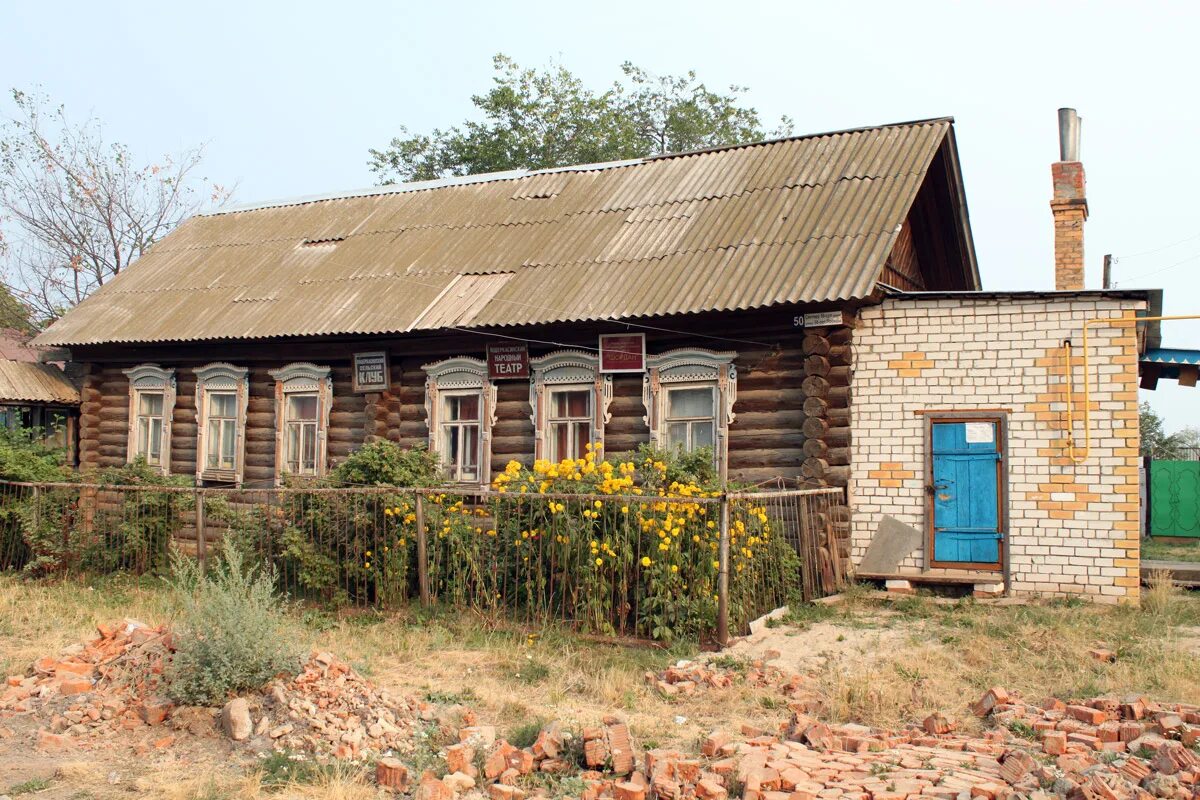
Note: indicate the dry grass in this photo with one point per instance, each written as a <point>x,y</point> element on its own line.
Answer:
<point>955,651</point>
<point>939,657</point>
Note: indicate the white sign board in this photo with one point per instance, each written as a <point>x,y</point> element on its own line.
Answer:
<point>981,432</point>
<point>823,319</point>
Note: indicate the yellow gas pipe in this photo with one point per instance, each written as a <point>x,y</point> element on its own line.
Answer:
<point>1120,322</point>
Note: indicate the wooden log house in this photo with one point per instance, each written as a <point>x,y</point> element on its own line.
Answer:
<point>716,259</point>
<point>808,307</point>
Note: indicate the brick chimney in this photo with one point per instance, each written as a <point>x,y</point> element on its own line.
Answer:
<point>1069,204</point>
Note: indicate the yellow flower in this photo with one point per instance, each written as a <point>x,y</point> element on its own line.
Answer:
<point>646,561</point>
<point>598,504</point>
<point>599,562</point>
<point>624,509</point>
<point>674,568</point>
<point>388,512</point>
<point>367,565</point>
<point>368,554</point>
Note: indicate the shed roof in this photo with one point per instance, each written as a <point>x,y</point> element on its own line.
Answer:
<point>22,381</point>
<point>797,220</point>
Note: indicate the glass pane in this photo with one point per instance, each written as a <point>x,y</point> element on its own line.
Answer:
<point>143,436</point>
<point>310,449</point>
<point>560,439</point>
<point>150,404</point>
<point>689,403</point>
<point>154,455</point>
<point>291,454</point>
<point>583,437</point>
<point>301,407</point>
<point>214,437</point>
<point>571,404</point>
<point>462,407</point>
<point>222,405</point>
<point>228,441</point>
<point>450,437</point>
<point>702,435</point>
<point>469,470</point>
<point>677,435</point>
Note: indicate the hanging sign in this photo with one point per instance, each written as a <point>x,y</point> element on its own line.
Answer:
<point>507,360</point>
<point>371,372</point>
<point>623,352</point>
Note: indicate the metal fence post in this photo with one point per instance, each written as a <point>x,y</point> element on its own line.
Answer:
<point>200,544</point>
<point>723,575</point>
<point>422,554</point>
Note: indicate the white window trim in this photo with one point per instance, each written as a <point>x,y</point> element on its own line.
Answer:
<point>151,378</point>
<point>303,378</point>
<point>460,375</point>
<point>691,368</point>
<point>221,376</point>
<point>567,369</point>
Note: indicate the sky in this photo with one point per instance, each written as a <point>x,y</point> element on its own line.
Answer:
<point>287,98</point>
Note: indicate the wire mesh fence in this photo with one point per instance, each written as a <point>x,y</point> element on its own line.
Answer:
<point>639,565</point>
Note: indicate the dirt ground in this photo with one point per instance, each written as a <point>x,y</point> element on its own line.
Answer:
<point>875,662</point>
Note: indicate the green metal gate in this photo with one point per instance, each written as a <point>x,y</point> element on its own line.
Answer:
<point>1175,498</point>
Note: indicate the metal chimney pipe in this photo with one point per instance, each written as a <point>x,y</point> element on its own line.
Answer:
<point>1068,134</point>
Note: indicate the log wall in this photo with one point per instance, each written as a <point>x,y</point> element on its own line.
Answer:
<point>792,409</point>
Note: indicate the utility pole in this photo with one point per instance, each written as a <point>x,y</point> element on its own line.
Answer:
<point>1108,259</point>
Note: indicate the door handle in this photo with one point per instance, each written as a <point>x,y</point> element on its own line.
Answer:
<point>931,488</point>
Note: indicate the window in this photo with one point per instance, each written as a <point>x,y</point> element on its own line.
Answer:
<point>151,404</point>
<point>689,396</point>
<point>691,418</point>
<point>570,422</point>
<point>300,423</point>
<point>222,430</point>
<point>221,398</point>
<point>570,401</point>
<point>149,426</point>
<point>460,436</point>
<point>304,394</point>
<point>460,405</point>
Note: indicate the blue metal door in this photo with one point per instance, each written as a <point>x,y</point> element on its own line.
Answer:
<point>966,493</point>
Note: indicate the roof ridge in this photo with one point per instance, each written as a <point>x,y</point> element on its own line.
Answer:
<point>516,174</point>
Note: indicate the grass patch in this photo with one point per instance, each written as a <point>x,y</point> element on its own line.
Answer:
<point>526,734</point>
<point>1160,550</point>
<point>29,787</point>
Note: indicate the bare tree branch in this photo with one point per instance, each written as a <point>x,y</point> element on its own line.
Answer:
<point>76,210</point>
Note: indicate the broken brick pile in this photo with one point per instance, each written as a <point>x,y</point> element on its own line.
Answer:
<point>91,690</point>
<point>114,682</point>
<point>690,677</point>
<point>807,759</point>
<point>328,708</point>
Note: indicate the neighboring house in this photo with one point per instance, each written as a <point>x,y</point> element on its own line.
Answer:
<point>809,308</point>
<point>40,398</point>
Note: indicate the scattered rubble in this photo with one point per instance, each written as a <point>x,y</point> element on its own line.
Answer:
<point>1098,749</point>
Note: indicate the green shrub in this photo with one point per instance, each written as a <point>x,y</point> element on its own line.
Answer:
<point>384,463</point>
<point>231,634</point>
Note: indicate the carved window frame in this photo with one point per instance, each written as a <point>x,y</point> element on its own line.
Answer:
<point>460,375</point>
<point>568,369</point>
<point>302,377</point>
<point>223,377</point>
<point>687,368</point>
<point>151,379</point>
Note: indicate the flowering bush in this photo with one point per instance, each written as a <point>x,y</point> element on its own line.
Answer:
<point>630,545</point>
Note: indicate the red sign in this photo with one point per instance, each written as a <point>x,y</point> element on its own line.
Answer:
<point>508,360</point>
<point>623,352</point>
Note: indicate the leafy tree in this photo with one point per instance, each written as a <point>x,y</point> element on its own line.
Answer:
<point>1156,442</point>
<point>75,209</point>
<point>535,119</point>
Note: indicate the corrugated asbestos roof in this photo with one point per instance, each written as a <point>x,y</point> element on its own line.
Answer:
<point>806,219</point>
<point>35,383</point>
